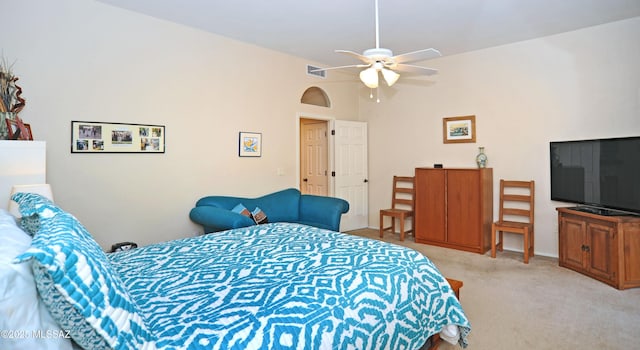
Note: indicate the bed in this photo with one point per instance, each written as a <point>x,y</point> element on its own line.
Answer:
<point>273,286</point>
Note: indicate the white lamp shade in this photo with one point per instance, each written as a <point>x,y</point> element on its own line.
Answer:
<point>369,77</point>
<point>390,76</point>
<point>41,189</point>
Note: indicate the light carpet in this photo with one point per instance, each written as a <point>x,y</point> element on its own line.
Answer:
<point>537,306</point>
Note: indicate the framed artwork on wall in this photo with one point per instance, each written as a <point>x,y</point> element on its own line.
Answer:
<point>101,137</point>
<point>459,129</point>
<point>250,144</point>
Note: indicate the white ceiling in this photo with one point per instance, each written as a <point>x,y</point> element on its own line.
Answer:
<point>313,29</point>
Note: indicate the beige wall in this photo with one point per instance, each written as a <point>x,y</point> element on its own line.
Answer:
<point>582,84</point>
<point>84,60</point>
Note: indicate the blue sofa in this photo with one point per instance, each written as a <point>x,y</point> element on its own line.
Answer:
<point>215,213</point>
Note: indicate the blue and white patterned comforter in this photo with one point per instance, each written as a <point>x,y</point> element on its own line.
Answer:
<point>288,286</point>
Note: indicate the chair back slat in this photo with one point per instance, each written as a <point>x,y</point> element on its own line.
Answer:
<point>513,183</point>
<point>408,202</point>
<point>515,212</point>
<point>516,198</point>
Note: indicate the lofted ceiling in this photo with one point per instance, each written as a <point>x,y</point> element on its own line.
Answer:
<point>313,29</point>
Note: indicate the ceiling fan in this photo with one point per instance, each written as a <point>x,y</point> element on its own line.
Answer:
<point>381,60</point>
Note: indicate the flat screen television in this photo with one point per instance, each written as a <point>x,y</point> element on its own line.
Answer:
<point>603,175</point>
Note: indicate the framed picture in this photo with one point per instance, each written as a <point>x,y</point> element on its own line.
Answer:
<point>101,137</point>
<point>18,130</point>
<point>250,144</point>
<point>459,129</point>
<point>29,133</point>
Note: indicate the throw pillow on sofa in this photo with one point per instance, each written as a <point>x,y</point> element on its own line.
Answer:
<point>259,216</point>
<point>242,210</point>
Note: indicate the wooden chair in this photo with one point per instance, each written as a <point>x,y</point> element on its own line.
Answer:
<point>401,205</point>
<point>517,200</point>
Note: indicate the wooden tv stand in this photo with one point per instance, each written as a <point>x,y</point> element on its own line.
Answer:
<point>606,248</point>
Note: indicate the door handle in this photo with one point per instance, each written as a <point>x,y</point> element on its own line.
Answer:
<point>305,179</point>
<point>365,180</point>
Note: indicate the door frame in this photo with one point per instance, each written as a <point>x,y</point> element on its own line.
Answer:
<point>330,149</point>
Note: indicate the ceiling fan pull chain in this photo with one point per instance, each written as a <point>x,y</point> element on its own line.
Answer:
<point>377,96</point>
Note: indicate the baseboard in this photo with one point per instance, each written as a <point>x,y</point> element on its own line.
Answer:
<point>520,251</point>
<point>547,255</point>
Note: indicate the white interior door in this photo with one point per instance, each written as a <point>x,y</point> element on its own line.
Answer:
<point>313,162</point>
<point>351,172</point>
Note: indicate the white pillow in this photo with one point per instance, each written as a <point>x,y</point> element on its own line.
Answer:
<point>23,317</point>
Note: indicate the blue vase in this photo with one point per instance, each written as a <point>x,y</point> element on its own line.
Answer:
<point>481,158</point>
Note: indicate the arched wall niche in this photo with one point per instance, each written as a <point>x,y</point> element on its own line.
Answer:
<point>315,96</point>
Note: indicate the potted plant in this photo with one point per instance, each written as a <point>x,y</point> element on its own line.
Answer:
<point>11,103</point>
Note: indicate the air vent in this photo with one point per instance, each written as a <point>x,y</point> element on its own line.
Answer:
<point>320,73</point>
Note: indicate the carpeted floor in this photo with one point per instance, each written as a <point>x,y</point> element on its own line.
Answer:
<point>537,306</point>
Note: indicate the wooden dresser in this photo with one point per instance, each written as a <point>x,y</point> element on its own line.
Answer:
<point>454,208</point>
<point>606,248</point>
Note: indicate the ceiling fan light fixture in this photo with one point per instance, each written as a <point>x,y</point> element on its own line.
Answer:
<point>390,76</point>
<point>382,60</point>
<point>369,77</point>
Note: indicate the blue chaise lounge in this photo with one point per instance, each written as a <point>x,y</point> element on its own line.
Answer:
<point>215,213</point>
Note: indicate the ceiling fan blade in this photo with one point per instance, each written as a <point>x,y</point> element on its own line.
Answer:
<point>340,67</point>
<point>362,58</point>
<point>415,56</point>
<point>415,69</point>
